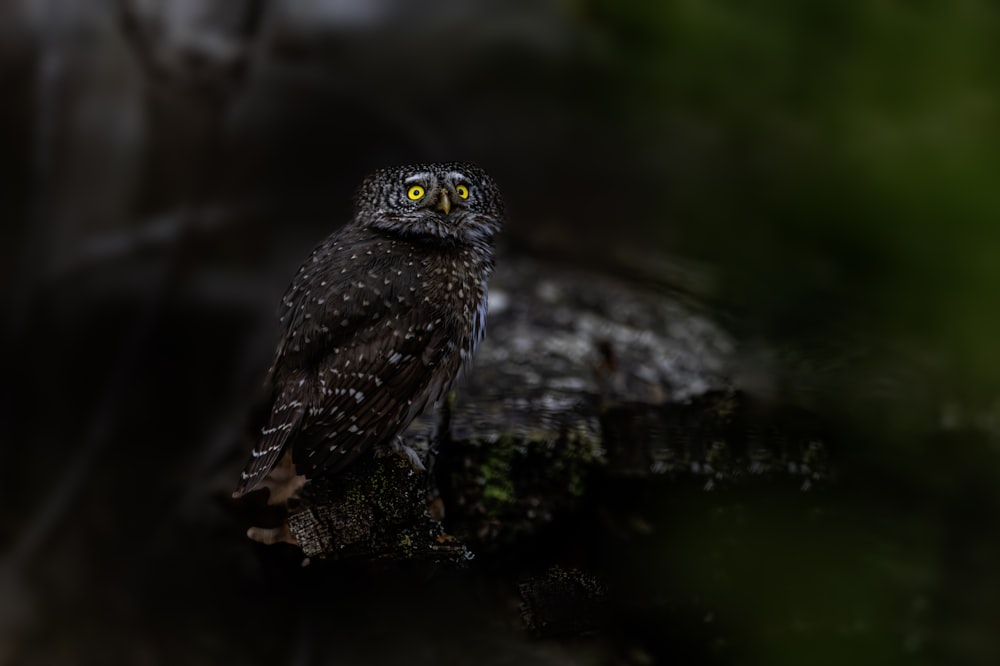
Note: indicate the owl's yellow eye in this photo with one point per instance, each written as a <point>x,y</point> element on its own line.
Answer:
<point>462,191</point>
<point>415,192</point>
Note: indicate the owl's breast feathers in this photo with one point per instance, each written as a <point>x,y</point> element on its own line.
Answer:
<point>374,328</point>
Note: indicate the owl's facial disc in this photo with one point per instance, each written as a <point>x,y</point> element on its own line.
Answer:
<point>451,202</point>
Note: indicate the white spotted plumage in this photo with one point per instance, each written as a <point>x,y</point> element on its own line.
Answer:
<point>379,320</point>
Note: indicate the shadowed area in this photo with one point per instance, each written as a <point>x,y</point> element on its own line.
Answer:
<point>738,397</point>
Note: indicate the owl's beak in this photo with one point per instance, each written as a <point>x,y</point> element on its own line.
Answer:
<point>444,203</point>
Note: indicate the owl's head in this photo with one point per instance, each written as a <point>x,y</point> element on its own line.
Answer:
<point>454,202</point>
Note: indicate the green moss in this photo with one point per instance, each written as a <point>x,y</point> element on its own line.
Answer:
<point>498,487</point>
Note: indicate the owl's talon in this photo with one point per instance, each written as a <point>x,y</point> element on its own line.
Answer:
<point>399,447</point>
<point>272,535</point>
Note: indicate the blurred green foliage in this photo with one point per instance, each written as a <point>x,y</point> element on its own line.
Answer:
<point>838,161</point>
<point>838,158</point>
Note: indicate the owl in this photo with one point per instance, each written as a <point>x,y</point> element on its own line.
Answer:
<point>377,323</point>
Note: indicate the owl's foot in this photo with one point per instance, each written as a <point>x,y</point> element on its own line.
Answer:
<point>272,535</point>
<point>399,448</point>
<point>282,483</point>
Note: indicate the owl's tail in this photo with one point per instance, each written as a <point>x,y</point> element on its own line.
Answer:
<point>284,421</point>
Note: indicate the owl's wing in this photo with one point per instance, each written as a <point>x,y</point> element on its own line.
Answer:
<point>369,393</point>
<point>282,424</point>
<point>354,365</point>
<point>358,395</point>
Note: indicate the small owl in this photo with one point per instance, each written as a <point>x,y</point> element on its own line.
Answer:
<point>377,323</point>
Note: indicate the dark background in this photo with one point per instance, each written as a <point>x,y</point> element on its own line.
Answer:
<point>822,175</point>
